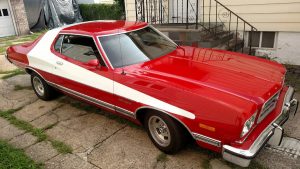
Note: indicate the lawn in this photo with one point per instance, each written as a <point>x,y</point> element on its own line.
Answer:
<point>13,158</point>
<point>13,40</point>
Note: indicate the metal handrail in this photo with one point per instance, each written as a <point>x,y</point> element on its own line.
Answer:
<point>155,12</point>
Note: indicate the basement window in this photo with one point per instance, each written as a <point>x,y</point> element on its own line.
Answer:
<point>5,12</point>
<point>262,39</point>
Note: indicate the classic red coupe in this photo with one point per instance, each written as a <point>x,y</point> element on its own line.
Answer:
<point>228,102</point>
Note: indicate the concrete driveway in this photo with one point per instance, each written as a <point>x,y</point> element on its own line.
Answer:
<point>101,140</point>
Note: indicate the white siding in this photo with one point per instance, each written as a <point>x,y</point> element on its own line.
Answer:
<point>265,15</point>
<point>130,10</point>
<point>95,1</point>
<point>268,15</point>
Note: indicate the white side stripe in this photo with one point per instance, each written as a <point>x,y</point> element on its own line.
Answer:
<point>42,58</point>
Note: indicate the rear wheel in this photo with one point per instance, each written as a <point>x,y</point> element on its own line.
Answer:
<point>41,88</point>
<point>164,132</point>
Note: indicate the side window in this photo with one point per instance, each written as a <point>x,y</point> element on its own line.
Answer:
<point>80,48</point>
<point>58,43</point>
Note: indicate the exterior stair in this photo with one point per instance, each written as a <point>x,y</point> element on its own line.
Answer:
<point>199,23</point>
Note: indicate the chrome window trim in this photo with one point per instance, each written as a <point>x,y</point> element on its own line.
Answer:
<point>117,33</point>
<point>104,52</point>
<point>162,34</point>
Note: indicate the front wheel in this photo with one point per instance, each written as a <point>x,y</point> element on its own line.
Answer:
<point>164,132</point>
<point>41,88</point>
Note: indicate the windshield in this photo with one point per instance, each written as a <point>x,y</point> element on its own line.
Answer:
<point>136,47</point>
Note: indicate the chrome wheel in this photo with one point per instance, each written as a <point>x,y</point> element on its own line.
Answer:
<point>159,131</point>
<point>38,86</point>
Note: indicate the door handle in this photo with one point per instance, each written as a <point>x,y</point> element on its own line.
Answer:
<point>59,63</point>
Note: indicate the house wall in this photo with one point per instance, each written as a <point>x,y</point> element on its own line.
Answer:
<point>20,17</point>
<point>268,15</point>
<point>95,1</point>
<point>286,50</point>
<point>130,10</point>
<point>278,16</point>
<point>265,15</point>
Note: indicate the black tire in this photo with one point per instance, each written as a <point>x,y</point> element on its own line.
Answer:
<point>48,93</point>
<point>176,132</point>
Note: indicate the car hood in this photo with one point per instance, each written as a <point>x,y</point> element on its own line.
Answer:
<point>242,75</point>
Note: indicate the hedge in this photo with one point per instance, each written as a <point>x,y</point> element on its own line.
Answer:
<point>100,12</point>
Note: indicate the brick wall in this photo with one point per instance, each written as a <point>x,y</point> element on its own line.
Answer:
<point>20,16</point>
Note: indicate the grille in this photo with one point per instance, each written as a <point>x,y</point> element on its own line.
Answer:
<point>268,107</point>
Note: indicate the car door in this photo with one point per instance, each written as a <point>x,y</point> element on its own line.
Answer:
<point>81,70</point>
<point>126,95</point>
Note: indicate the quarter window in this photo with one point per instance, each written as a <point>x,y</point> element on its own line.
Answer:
<point>79,48</point>
<point>58,43</point>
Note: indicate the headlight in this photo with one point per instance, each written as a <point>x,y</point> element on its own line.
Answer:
<point>248,124</point>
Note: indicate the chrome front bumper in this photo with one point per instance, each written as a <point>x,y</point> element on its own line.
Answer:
<point>272,134</point>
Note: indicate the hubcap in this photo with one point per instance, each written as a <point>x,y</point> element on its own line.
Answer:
<point>38,86</point>
<point>159,131</point>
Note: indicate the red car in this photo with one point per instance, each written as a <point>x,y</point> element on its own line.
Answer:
<point>228,102</point>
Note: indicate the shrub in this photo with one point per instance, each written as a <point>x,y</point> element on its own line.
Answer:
<point>101,12</point>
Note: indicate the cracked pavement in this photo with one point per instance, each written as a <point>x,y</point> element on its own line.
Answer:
<point>102,142</point>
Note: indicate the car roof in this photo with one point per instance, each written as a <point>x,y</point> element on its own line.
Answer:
<point>103,27</point>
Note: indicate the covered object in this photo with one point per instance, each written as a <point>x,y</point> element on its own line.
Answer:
<point>43,14</point>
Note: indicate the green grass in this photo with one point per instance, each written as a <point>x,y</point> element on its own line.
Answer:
<point>12,158</point>
<point>39,133</point>
<point>61,147</point>
<point>18,87</point>
<point>10,40</point>
<point>13,73</point>
<point>162,157</point>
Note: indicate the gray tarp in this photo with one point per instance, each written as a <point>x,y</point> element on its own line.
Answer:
<point>51,13</point>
